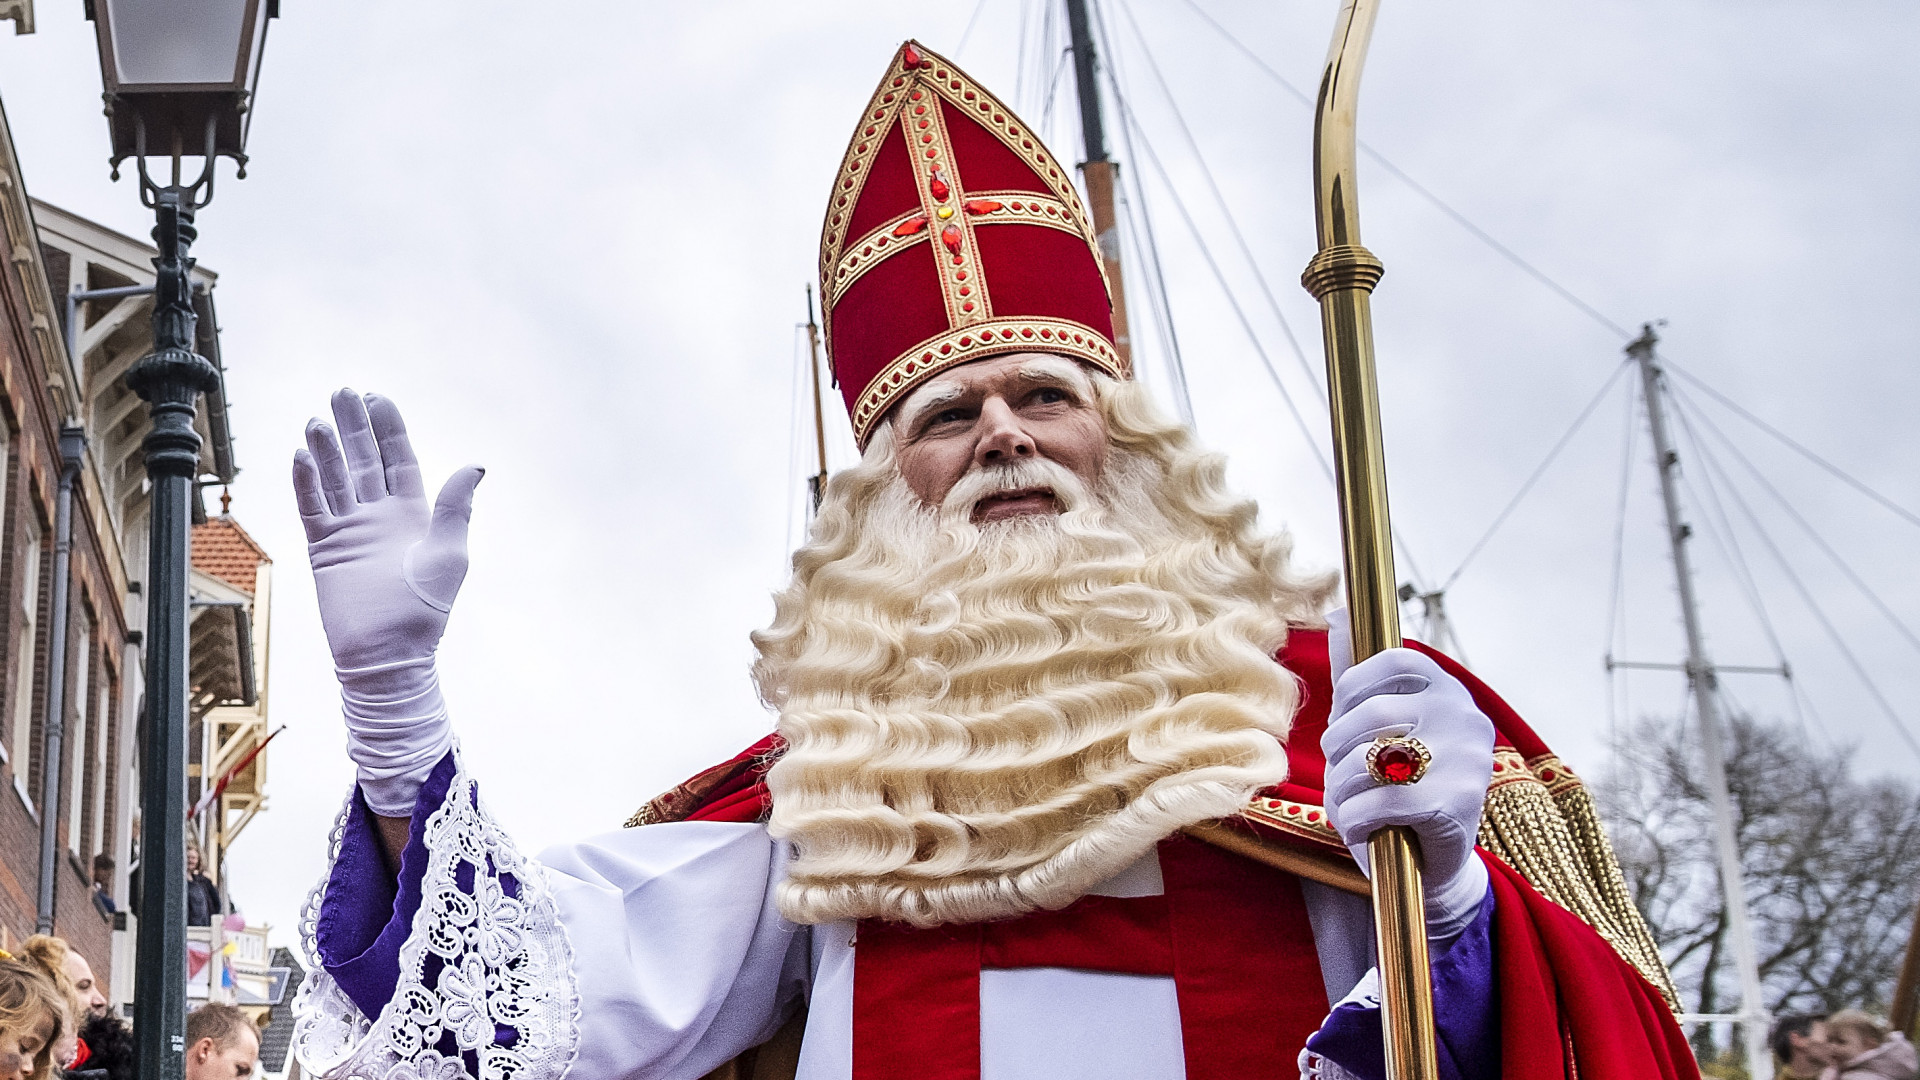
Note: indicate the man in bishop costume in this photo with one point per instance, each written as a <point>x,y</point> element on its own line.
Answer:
<point>1031,647</point>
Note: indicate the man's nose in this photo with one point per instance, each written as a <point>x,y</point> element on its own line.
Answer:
<point>1003,438</point>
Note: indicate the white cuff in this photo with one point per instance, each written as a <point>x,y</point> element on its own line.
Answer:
<point>1452,905</point>
<point>397,730</point>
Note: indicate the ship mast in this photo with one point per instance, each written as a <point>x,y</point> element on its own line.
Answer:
<point>1098,169</point>
<point>1703,678</point>
<point>816,483</point>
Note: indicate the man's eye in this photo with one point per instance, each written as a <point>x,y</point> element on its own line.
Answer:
<point>948,416</point>
<point>1049,395</point>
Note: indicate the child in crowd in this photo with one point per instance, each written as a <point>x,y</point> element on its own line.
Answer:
<point>32,1016</point>
<point>49,954</point>
<point>1861,1048</point>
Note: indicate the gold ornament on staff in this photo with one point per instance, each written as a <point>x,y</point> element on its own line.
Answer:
<point>1342,276</point>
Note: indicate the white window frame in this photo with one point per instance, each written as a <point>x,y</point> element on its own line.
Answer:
<point>26,656</point>
<point>103,726</point>
<point>77,677</point>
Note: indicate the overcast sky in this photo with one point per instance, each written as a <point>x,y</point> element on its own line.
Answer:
<point>570,239</point>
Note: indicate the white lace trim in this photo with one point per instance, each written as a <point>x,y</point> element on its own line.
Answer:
<point>505,961</point>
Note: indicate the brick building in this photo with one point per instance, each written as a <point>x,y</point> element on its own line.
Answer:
<point>46,382</point>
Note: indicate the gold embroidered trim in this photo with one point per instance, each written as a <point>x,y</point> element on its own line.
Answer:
<point>1020,208</point>
<point>980,208</point>
<point>937,176</point>
<point>871,250</point>
<point>961,344</point>
<point>1300,819</point>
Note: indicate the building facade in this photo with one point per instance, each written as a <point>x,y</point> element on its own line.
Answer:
<point>63,362</point>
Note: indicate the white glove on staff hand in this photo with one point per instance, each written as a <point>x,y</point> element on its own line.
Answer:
<point>1403,692</point>
<point>386,570</point>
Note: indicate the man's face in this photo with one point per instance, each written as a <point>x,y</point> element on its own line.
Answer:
<point>1809,1050</point>
<point>208,1060</point>
<point>193,861</point>
<point>995,412</point>
<point>81,973</point>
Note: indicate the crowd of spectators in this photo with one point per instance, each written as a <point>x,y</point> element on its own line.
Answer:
<point>1847,1045</point>
<point>55,1023</point>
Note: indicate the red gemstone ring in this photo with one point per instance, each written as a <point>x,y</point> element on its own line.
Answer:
<point>1397,759</point>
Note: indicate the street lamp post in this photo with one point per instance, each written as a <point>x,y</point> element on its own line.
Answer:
<point>179,78</point>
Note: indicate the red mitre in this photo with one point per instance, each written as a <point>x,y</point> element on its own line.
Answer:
<point>953,235</point>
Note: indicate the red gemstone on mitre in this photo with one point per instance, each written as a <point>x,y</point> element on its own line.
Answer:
<point>982,206</point>
<point>911,55</point>
<point>1397,763</point>
<point>938,186</point>
<point>911,225</point>
<point>950,236</point>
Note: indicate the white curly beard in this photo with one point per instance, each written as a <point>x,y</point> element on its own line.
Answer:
<point>986,720</point>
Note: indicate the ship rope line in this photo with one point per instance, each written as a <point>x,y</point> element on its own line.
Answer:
<point>1573,299</point>
<point>1220,201</point>
<point>1141,233</point>
<point>1826,547</point>
<point>1539,470</point>
<point>1726,539</point>
<point>1788,441</point>
<point>1785,565</point>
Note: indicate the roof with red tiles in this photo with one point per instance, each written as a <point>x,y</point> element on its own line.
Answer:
<point>223,549</point>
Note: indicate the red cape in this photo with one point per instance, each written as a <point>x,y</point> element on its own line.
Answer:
<point>1570,1007</point>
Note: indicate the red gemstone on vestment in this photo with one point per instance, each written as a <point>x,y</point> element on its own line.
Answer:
<point>1397,762</point>
<point>912,56</point>
<point>911,225</point>
<point>982,206</point>
<point>938,186</point>
<point>950,236</point>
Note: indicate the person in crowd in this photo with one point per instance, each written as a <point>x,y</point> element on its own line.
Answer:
<point>222,1044</point>
<point>33,1014</point>
<point>203,896</point>
<point>85,987</point>
<point>102,889</point>
<point>1800,1045</point>
<point>111,1055</point>
<point>1861,1048</point>
<point>50,954</point>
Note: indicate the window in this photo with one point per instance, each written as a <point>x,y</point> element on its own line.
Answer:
<point>103,720</point>
<point>77,677</point>
<point>23,662</point>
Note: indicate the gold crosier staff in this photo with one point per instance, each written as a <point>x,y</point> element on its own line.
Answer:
<point>1341,276</point>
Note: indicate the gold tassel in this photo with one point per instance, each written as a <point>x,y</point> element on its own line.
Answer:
<point>1541,820</point>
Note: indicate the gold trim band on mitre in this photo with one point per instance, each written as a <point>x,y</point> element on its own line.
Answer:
<point>977,341</point>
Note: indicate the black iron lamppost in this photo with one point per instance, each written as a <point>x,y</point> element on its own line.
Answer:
<point>179,78</point>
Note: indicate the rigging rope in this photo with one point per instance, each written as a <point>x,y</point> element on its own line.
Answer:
<point>1539,470</point>
<point>1162,306</point>
<point>968,32</point>
<point>1736,408</point>
<point>1806,526</point>
<point>1616,594</point>
<point>1420,189</point>
<point>1727,540</point>
<point>1819,614</point>
<point>1220,278</point>
<point>1220,200</point>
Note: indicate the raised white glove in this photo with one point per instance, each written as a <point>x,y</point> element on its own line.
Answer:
<point>1402,692</point>
<point>386,570</point>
